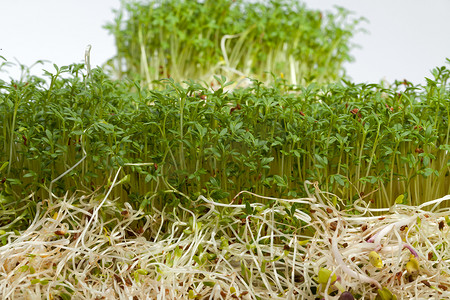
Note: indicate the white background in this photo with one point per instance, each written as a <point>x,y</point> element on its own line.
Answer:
<point>405,39</point>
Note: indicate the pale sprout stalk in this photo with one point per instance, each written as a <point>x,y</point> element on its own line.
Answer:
<point>219,255</point>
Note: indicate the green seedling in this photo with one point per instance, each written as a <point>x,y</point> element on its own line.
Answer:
<point>235,186</point>
<point>156,40</point>
<point>375,259</point>
<point>324,277</point>
<point>413,267</point>
<point>138,273</point>
<point>69,136</point>
<point>385,294</point>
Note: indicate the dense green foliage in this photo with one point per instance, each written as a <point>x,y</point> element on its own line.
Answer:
<point>354,139</point>
<point>169,186</point>
<point>194,40</point>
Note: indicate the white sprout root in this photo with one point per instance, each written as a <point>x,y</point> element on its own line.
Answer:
<point>272,252</point>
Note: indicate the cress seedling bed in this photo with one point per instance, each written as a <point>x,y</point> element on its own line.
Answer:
<point>212,189</point>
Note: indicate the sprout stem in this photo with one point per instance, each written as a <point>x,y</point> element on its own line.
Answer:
<point>338,257</point>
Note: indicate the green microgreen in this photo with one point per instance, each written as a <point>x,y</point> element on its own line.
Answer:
<point>211,188</point>
<point>71,134</point>
<point>198,39</point>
